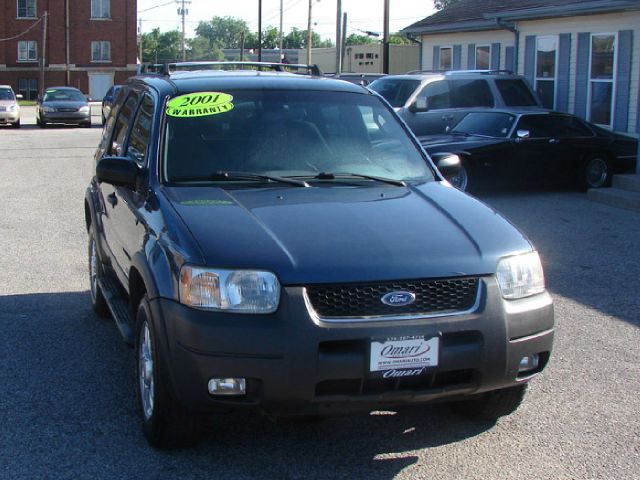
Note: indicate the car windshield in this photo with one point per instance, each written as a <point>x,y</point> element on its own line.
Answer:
<point>63,96</point>
<point>6,94</point>
<point>287,133</point>
<point>489,124</point>
<point>396,91</point>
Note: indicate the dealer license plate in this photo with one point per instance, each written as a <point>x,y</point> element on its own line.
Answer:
<point>412,354</point>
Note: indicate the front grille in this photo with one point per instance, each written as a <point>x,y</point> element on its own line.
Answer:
<point>3,109</point>
<point>67,110</point>
<point>365,300</point>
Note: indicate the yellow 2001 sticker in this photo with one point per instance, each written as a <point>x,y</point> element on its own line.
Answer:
<point>200,104</point>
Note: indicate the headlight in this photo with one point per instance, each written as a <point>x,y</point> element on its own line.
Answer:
<point>11,108</point>
<point>84,109</point>
<point>520,276</point>
<point>240,291</point>
<point>48,109</point>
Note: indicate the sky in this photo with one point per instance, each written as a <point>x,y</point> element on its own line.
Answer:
<point>362,14</point>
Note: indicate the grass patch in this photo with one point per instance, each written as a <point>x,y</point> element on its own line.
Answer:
<point>27,103</point>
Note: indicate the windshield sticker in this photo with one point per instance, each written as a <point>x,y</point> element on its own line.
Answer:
<point>206,202</point>
<point>200,104</point>
<point>51,91</point>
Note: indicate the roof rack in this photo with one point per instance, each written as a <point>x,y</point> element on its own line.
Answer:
<point>178,67</point>
<point>463,72</point>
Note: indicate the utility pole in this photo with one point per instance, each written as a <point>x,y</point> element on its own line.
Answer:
<point>140,41</point>
<point>281,24</point>
<point>242,46</point>
<point>183,12</point>
<point>259,30</point>
<point>339,38</point>
<point>67,41</point>
<point>44,51</point>
<point>385,39</point>
<point>343,40</point>
<point>309,36</point>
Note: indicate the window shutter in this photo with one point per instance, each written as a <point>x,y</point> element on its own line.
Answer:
<point>564,54</point>
<point>582,74</point>
<point>471,56</point>
<point>509,60</point>
<point>436,57</point>
<point>623,81</point>
<point>457,57</point>
<point>495,56</point>
<point>530,58</point>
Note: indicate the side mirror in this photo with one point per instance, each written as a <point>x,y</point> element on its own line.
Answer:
<point>448,164</point>
<point>19,97</point>
<point>522,134</point>
<point>117,171</point>
<point>420,105</point>
<point>89,99</point>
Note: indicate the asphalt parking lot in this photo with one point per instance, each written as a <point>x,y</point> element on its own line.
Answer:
<point>68,406</point>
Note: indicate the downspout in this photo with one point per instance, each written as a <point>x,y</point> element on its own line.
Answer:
<point>66,41</point>
<point>516,44</point>
<point>419,43</point>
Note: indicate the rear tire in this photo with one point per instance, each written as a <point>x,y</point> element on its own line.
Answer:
<point>491,405</point>
<point>165,422</point>
<point>595,173</point>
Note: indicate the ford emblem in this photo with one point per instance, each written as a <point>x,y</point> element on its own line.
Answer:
<point>398,299</point>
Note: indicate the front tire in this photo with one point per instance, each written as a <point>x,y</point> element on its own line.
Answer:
<point>461,180</point>
<point>98,301</point>
<point>165,422</point>
<point>595,173</point>
<point>491,405</point>
<point>17,124</point>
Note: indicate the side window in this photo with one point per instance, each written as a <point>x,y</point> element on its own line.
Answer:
<point>141,132</point>
<point>122,125</point>
<point>539,126</point>
<point>516,93</point>
<point>470,93</point>
<point>567,127</point>
<point>437,95</point>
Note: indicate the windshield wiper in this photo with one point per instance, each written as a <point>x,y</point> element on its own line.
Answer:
<point>333,176</point>
<point>230,176</point>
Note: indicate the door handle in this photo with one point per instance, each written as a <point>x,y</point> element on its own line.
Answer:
<point>554,141</point>
<point>112,199</point>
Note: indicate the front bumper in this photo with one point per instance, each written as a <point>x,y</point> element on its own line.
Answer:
<point>66,117</point>
<point>9,117</point>
<point>295,364</point>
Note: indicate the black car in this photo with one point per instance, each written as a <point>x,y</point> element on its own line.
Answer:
<point>66,105</point>
<point>280,242</point>
<point>107,101</point>
<point>523,146</point>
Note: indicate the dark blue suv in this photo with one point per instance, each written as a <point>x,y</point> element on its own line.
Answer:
<point>280,242</point>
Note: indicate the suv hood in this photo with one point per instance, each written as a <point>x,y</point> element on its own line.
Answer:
<point>331,234</point>
<point>7,103</point>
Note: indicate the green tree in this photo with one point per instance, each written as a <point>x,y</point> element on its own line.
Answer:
<point>159,47</point>
<point>298,39</point>
<point>440,4</point>
<point>356,39</point>
<point>200,48</point>
<point>223,32</point>
<point>397,39</point>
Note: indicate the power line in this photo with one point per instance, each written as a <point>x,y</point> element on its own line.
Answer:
<point>23,33</point>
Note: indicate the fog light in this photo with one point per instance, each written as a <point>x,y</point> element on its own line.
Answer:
<point>529,363</point>
<point>227,386</point>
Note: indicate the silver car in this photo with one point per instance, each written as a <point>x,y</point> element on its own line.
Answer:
<point>9,108</point>
<point>63,105</point>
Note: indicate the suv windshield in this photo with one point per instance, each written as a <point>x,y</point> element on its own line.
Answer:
<point>63,96</point>
<point>396,91</point>
<point>6,94</point>
<point>487,124</point>
<point>289,133</point>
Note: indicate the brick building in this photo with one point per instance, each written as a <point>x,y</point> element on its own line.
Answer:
<point>90,44</point>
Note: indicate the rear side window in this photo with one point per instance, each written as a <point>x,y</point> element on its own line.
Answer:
<point>516,93</point>
<point>567,127</point>
<point>438,95</point>
<point>395,91</point>
<point>122,125</point>
<point>470,93</point>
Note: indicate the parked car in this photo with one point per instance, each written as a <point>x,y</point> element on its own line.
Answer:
<point>63,105</point>
<point>318,264</point>
<point>107,101</point>
<point>362,79</point>
<point>522,146</point>
<point>430,102</point>
<point>9,107</point>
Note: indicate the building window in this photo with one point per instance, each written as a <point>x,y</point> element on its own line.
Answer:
<point>101,51</point>
<point>27,51</point>
<point>27,8</point>
<point>546,61</point>
<point>446,58</point>
<point>100,8</point>
<point>28,88</point>
<point>483,57</point>
<point>602,78</point>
